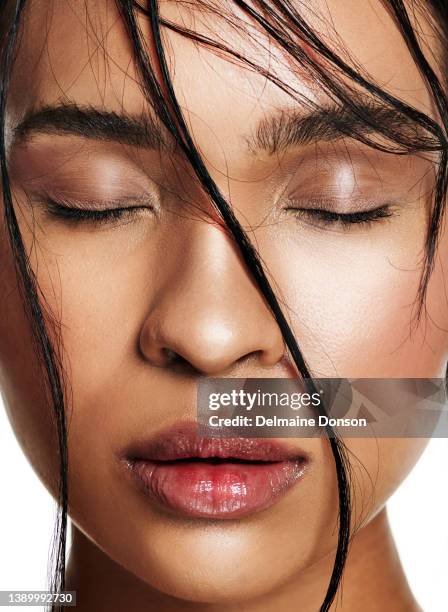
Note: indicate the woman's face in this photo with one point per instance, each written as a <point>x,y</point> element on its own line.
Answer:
<point>164,277</point>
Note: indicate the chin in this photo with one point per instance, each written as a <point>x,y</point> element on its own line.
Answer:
<point>214,564</point>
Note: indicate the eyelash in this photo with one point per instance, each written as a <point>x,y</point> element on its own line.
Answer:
<point>345,220</point>
<point>324,217</point>
<point>85,215</point>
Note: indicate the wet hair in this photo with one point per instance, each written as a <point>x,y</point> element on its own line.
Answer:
<point>347,86</point>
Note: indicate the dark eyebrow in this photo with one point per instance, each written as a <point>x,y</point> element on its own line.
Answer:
<point>93,123</point>
<point>285,129</point>
<point>291,128</point>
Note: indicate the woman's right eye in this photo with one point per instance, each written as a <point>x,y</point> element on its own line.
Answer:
<point>80,214</point>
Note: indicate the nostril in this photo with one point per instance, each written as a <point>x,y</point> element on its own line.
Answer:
<point>171,357</point>
<point>251,356</point>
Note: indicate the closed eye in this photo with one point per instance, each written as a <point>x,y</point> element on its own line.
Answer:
<point>83,214</point>
<point>325,217</point>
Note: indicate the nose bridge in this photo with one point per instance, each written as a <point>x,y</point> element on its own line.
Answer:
<point>207,309</point>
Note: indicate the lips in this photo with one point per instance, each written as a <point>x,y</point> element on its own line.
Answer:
<point>215,478</point>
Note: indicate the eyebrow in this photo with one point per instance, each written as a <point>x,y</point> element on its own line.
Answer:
<point>292,128</point>
<point>286,129</point>
<point>93,123</point>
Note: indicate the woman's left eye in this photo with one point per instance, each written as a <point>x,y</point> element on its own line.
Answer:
<point>325,217</point>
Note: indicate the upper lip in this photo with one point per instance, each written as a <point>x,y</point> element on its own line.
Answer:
<point>182,441</point>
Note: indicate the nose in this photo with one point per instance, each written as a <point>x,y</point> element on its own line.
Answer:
<point>207,313</point>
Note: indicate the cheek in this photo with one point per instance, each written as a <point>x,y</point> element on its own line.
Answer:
<point>23,378</point>
<point>95,285</point>
<point>353,301</point>
<point>102,311</point>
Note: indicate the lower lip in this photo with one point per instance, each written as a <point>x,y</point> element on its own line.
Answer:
<point>224,490</point>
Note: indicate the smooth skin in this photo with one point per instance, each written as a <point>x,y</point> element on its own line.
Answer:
<point>171,278</point>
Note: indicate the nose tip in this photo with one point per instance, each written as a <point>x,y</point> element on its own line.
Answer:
<point>211,346</point>
<point>205,312</point>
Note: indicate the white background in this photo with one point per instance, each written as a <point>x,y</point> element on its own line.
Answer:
<point>418,513</point>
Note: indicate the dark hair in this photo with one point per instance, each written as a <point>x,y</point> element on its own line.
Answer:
<point>289,30</point>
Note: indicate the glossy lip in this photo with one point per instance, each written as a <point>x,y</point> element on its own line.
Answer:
<point>215,478</point>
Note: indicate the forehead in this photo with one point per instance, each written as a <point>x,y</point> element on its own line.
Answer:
<point>79,51</point>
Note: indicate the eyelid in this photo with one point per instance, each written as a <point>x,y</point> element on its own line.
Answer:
<point>91,214</point>
<point>97,205</point>
<point>380,212</point>
<point>325,217</point>
<point>339,204</point>
<point>60,209</point>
